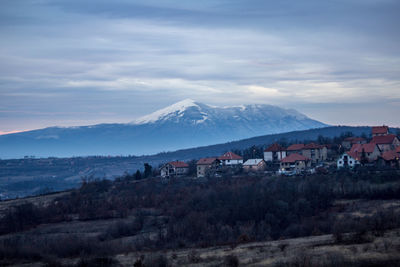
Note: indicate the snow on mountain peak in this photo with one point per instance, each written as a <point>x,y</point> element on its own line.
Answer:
<point>177,108</point>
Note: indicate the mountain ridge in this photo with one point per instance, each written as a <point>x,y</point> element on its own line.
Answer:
<point>184,124</point>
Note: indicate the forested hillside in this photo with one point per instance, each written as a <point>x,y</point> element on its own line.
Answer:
<point>106,218</point>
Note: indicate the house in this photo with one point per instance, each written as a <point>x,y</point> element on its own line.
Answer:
<point>371,151</point>
<point>230,159</point>
<point>390,158</point>
<point>174,168</point>
<point>295,148</point>
<point>348,142</point>
<point>254,165</point>
<point>317,153</point>
<point>348,160</point>
<point>207,166</point>
<point>295,162</point>
<point>386,142</point>
<point>274,153</point>
<point>380,130</point>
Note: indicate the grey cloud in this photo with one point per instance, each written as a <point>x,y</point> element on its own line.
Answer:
<point>130,57</point>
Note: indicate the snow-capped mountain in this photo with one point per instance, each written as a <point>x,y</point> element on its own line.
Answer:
<point>182,125</point>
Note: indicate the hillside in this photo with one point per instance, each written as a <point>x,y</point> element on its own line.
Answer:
<point>340,219</point>
<point>22,177</point>
<point>182,125</point>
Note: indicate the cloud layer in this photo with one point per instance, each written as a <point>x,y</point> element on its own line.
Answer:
<point>74,62</point>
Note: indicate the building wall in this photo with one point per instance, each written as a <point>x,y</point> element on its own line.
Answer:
<point>296,166</point>
<point>201,170</point>
<point>351,162</point>
<point>255,168</point>
<point>268,156</point>
<point>232,161</point>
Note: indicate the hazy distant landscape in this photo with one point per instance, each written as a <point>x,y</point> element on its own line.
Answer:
<point>30,176</point>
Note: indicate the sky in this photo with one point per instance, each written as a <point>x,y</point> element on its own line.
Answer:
<point>69,62</point>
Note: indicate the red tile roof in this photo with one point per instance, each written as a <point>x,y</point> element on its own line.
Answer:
<point>390,155</point>
<point>229,155</point>
<point>354,155</point>
<point>206,161</point>
<point>295,147</point>
<point>398,149</point>
<point>274,148</point>
<point>380,129</point>
<point>384,139</point>
<point>293,158</point>
<point>179,164</point>
<point>368,148</point>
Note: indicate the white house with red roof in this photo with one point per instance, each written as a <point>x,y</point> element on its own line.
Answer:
<point>348,160</point>
<point>174,168</point>
<point>274,153</point>
<point>295,162</point>
<point>230,159</point>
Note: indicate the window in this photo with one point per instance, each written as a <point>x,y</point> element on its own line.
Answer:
<point>351,162</point>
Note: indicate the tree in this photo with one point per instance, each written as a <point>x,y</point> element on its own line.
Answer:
<point>138,175</point>
<point>147,170</point>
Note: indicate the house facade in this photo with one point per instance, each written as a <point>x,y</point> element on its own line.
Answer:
<point>274,153</point>
<point>350,141</point>
<point>371,151</point>
<point>174,168</point>
<point>295,149</point>
<point>390,159</point>
<point>386,142</point>
<point>295,162</point>
<point>207,166</point>
<point>254,165</point>
<point>317,153</point>
<point>348,160</point>
<point>230,159</point>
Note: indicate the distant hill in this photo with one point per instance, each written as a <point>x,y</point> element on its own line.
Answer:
<point>300,136</point>
<point>182,125</point>
<point>22,177</point>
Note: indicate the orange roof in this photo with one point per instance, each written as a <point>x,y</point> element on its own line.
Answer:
<point>295,147</point>
<point>179,164</point>
<point>274,148</point>
<point>293,158</point>
<point>368,148</point>
<point>354,155</point>
<point>385,139</point>
<point>206,161</point>
<point>229,155</point>
<point>390,155</point>
<point>380,129</point>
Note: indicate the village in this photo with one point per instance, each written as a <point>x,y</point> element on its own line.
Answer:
<point>382,150</point>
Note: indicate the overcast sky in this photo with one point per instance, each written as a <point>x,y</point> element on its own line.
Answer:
<point>70,62</point>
